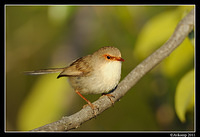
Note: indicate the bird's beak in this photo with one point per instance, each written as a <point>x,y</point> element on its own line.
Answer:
<point>119,59</point>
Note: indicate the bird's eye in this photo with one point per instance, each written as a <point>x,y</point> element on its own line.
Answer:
<point>108,57</point>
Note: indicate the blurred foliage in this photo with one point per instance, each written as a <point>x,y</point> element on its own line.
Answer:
<point>47,94</point>
<point>161,28</point>
<point>40,37</point>
<point>180,59</point>
<point>184,97</point>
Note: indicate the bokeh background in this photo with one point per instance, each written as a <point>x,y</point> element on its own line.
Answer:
<point>48,36</point>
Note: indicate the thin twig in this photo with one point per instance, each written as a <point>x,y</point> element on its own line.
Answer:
<point>182,30</point>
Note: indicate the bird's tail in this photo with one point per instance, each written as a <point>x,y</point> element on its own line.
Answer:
<point>44,71</point>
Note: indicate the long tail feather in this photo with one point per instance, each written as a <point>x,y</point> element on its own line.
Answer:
<point>44,71</point>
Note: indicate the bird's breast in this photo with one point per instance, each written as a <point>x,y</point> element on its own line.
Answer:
<point>106,77</point>
<point>103,79</point>
<point>110,72</point>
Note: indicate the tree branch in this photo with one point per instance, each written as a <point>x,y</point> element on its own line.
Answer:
<point>182,30</point>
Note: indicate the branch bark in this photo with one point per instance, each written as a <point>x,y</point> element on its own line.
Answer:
<point>182,30</point>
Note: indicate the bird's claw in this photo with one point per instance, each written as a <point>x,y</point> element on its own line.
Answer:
<point>93,107</point>
<point>109,96</point>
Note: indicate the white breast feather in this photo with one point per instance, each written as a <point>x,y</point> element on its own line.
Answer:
<point>107,78</point>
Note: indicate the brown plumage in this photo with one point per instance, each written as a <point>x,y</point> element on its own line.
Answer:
<point>95,73</point>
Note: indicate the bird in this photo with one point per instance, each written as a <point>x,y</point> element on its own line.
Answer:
<point>96,73</point>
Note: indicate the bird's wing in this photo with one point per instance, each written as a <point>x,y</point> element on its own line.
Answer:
<point>80,67</point>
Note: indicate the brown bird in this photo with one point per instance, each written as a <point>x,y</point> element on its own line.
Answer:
<point>96,73</point>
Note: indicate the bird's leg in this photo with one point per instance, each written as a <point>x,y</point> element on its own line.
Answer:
<point>89,103</point>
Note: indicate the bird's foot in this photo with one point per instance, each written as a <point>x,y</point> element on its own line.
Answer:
<point>110,97</point>
<point>93,107</point>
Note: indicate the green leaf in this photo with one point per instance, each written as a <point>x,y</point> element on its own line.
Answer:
<point>157,31</point>
<point>184,96</point>
<point>45,103</point>
<point>181,57</point>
